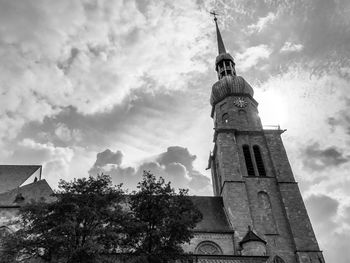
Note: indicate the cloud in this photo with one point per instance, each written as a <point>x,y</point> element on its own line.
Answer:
<point>318,159</point>
<point>291,47</point>
<point>262,22</point>
<point>67,135</point>
<point>91,55</point>
<point>331,223</point>
<point>108,157</point>
<point>56,161</point>
<point>175,165</point>
<point>322,207</point>
<point>252,56</point>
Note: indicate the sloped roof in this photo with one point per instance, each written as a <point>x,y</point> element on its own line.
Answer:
<point>34,191</point>
<point>12,176</point>
<point>251,236</point>
<point>214,217</point>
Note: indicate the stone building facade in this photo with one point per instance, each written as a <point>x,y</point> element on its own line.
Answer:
<point>257,213</point>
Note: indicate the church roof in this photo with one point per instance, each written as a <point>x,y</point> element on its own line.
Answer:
<point>34,191</point>
<point>12,176</point>
<point>251,236</point>
<point>214,217</point>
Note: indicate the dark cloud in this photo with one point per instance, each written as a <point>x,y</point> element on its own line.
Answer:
<point>175,165</point>
<point>322,208</point>
<point>315,158</point>
<point>331,229</point>
<point>341,119</point>
<point>177,154</point>
<point>123,121</point>
<point>66,64</point>
<point>108,157</point>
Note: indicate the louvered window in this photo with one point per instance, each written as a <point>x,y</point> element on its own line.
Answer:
<point>259,161</point>
<point>248,160</point>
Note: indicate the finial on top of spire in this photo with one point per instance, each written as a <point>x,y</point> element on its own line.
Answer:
<point>221,46</point>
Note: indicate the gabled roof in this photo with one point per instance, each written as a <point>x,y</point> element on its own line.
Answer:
<point>251,236</point>
<point>214,217</point>
<point>12,176</point>
<point>36,191</point>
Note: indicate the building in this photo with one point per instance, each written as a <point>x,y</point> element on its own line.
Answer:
<point>20,184</point>
<point>257,213</point>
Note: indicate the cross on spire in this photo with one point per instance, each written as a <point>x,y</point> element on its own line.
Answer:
<point>214,14</point>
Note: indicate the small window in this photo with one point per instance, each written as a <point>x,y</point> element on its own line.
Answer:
<point>225,118</point>
<point>229,72</point>
<point>248,160</point>
<point>259,160</point>
<point>227,63</point>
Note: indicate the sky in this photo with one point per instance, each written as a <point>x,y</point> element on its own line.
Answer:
<point>119,87</point>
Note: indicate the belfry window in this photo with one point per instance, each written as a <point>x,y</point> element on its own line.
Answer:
<point>225,68</point>
<point>248,160</point>
<point>225,118</point>
<point>259,161</point>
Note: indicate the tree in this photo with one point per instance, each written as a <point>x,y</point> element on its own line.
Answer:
<point>92,220</point>
<point>87,219</point>
<point>164,219</point>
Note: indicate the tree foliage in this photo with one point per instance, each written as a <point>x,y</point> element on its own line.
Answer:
<point>86,219</point>
<point>165,218</point>
<point>92,219</point>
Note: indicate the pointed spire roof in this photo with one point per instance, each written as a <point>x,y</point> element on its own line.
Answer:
<point>223,55</point>
<point>221,46</point>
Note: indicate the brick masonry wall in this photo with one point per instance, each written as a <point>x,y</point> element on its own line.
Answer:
<point>246,118</point>
<point>292,231</point>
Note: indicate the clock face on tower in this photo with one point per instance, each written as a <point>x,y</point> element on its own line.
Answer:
<point>240,102</point>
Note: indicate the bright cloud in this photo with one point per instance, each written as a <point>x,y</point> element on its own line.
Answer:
<point>252,56</point>
<point>291,47</point>
<point>262,22</point>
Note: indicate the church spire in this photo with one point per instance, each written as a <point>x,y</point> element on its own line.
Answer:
<point>221,46</point>
<point>224,64</point>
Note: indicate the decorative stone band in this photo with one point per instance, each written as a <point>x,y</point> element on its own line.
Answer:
<point>229,85</point>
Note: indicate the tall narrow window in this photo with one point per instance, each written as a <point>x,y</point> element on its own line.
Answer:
<point>248,160</point>
<point>259,161</point>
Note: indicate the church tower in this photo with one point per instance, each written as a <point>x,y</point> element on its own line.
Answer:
<point>251,173</point>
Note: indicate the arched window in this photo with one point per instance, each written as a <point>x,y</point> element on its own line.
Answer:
<point>208,248</point>
<point>248,160</point>
<point>278,259</point>
<point>259,161</point>
<point>225,118</point>
<point>265,212</point>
